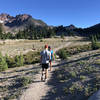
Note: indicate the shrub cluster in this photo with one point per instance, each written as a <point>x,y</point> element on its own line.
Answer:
<point>19,60</point>
<point>23,81</point>
<point>65,52</point>
<point>31,58</point>
<point>16,61</point>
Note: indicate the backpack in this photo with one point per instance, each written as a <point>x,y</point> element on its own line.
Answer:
<point>45,57</point>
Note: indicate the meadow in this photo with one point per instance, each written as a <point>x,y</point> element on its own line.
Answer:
<point>77,78</point>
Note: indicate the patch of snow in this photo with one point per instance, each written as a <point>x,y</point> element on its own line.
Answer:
<point>1,21</point>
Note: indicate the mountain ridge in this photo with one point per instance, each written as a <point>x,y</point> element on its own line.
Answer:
<point>23,21</point>
<point>19,22</point>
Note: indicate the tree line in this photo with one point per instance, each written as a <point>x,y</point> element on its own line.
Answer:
<point>32,32</point>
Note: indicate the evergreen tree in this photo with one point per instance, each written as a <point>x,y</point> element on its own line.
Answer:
<point>17,60</point>
<point>95,38</point>
<point>21,59</point>
<point>95,44</point>
<point>62,36</point>
<point>3,64</point>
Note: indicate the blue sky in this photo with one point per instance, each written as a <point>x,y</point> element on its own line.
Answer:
<point>81,13</point>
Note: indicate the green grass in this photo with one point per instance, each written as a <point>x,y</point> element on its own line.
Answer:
<point>69,51</point>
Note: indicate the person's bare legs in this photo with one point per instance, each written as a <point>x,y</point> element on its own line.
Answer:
<point>42,74</point>
<point>46,73</point>
<point>50,65</point>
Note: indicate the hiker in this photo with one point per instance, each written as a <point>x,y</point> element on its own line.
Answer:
<point>51,57</point>
<point>45,57</point>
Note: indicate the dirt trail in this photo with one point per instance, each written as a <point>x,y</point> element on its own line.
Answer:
<point>39,89</point>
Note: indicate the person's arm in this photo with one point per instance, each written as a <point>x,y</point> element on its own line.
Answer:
<point>41,58</point>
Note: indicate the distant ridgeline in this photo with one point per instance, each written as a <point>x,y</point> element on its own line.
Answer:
<point>23,26</point>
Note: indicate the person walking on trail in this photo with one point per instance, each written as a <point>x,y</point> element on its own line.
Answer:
<point>45,57</point>
<point>51,57</point>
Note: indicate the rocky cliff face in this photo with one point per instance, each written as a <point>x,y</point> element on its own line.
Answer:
<point>5,18</point>
<point>70,27</point>
<point>19,22</point>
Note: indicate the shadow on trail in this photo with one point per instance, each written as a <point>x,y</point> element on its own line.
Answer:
<point>56,91</point>
<point>26,71</point>
<point>37,81</point>
<point>15,76</point>
<point>72,61</point>
<point>51,95</point>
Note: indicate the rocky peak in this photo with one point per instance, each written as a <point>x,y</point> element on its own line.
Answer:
<point>5,17</point>
<point>19,22</point>
<point>70,27</point>
<point>23,17</point>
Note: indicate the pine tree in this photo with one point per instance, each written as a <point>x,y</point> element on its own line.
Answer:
<point>62,35</point>
<point>3,64</point>
<point>95,44</point>
<point>21,59</point>
<point>95,38</point>
<point>17,61</point>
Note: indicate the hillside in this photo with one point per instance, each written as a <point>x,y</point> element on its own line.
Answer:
<point>31,28</point>
<point>19,22</point>
<point>73,30</point>
<point>92,30</point>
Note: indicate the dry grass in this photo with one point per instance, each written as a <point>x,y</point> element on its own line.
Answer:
<point>13,47</point>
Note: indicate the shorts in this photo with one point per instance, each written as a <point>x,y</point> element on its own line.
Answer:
<point>45,66</point>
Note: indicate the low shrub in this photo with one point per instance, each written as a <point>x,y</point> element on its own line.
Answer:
<point>95,45</point>
<point>66,52</point>
<point>16,61</point>
<point>23,81</point>
<point>19,60</point>
<point>82,77</point>
<point>11,62</point>
<point>63,54</point>
<point>41,40</point>
<point>73,74</point>
<point>31,57</point>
